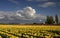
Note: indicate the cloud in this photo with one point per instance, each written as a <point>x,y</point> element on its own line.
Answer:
<point>28,13</point>
<point>14,1</point>
<point>8,14</point>
<point>41,0</point>
<point>47,4</point>
<point>37,0</point>
<point>29,0</point>
<point>58,3</point>
<point>1,17</point>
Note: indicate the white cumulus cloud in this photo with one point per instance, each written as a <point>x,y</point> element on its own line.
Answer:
<point>27,13</point>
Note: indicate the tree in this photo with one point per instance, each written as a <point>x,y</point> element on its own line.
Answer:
<point>56,19</point>
<point>49,20</point>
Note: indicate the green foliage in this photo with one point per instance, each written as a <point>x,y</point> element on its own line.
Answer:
<point>56,19</point>
<point>49,20</point>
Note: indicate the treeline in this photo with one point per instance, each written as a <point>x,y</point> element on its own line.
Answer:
<point>51,20</point>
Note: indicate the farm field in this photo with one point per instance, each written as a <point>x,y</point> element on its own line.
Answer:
<point>29,31</point>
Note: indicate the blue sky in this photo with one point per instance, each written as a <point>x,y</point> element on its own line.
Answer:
<point>13,5</point>
<point>42,7</point>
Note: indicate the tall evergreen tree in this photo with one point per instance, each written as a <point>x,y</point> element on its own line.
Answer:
<point>51,20</point>
<point>47,20</point>
<point>56,19</point>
